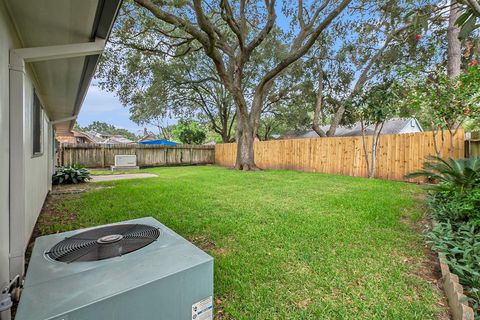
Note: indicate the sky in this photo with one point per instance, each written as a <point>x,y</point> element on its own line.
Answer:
<point>104,106</point>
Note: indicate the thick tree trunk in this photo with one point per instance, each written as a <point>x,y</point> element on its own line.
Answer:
<point>454,52</point>
<point>245,139</point>
<point>247,126</point>
<point>246,132</point>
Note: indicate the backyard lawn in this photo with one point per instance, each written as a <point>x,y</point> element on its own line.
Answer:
<point>287,245</point>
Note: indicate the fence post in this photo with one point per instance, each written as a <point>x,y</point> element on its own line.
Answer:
<point>62,154</point>
<point>102,148</point>
<point>474,144</point>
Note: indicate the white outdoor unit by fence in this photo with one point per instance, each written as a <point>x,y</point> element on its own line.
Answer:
<point>128,161</point>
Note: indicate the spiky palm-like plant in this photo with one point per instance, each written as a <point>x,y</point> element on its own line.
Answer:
<point>461,173</point>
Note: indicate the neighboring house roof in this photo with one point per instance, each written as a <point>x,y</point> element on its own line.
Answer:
<point>148,137</point>
<point>63,81</point>
<point>103,138</point>
<point>73,137</point>
<point>160,142</point>
<point>95,136</point>
<point>211,143</point>
<point>117,140</point>
<point>392,126</point>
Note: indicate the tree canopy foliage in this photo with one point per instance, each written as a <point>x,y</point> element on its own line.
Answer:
<point>189,132</point>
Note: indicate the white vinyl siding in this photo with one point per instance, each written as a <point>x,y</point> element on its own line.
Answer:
<point>36,167</point>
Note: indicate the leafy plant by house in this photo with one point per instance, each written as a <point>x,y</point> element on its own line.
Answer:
<point>71,174</point>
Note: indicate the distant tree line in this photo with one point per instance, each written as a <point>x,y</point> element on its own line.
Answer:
<point>105,128</point>
<point>185,131</point>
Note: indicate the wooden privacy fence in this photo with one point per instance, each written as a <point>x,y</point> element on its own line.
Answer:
<point>100,156</point>
<point>397,154</point>
<point>473,144</point>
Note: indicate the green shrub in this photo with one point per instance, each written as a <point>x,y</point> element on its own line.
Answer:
<point>461,245</point>
<point>450,204</point>
<point>70,174</point>
<point>455,204</point>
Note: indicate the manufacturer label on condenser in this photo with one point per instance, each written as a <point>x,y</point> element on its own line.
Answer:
<point>203,310</point>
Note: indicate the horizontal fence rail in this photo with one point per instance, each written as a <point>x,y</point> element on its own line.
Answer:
<point>101,156</point>
<point>397,155</point>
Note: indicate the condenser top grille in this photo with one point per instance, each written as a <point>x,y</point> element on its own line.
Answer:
<point>103,243</point>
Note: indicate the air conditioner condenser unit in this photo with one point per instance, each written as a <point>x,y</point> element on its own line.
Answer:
<point>135,270</point>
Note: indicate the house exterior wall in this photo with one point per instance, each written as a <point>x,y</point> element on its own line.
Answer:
<point>412,127</point>
<point>37,169</point>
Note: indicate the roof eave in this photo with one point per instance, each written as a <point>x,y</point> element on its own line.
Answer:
<point>107,12</point>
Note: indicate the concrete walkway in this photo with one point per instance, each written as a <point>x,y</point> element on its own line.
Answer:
<point>122,177</point>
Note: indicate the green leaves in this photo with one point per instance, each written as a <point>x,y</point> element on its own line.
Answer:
<point>455,203</point>
<point>462,173</point>
<point>377,103</point>
<point>189,132</point>
<point>461,246</point>
<point>445,103</point>
<point>71,174</point>
<point>467,22</point>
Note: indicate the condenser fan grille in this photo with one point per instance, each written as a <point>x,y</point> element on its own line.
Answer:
<point>103,243</point>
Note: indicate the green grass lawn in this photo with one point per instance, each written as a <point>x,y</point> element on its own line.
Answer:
<point>287,245</point>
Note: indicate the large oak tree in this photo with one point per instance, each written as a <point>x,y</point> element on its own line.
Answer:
<point>229,33</point>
